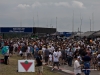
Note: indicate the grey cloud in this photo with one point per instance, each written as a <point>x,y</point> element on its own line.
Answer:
<point>14,11</point>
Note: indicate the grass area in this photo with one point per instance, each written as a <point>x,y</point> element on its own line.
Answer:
<point>11,69</point>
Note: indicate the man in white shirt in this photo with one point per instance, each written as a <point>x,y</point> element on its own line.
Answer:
<point>52,48</point>
<point>28,52</point>
<point>55,59</point>
<point>77,66</point>
<point>59,55</point>
<point>15,47</point>
<point>43,49</point>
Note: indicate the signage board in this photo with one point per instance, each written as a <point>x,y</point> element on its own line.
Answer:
<point>67,34</point>
<point>16,29</point>
<point>26,66</point>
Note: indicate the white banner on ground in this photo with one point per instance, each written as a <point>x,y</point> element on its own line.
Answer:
<point>26,66</point>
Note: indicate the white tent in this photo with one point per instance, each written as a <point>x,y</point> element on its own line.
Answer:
<point>86,34</point>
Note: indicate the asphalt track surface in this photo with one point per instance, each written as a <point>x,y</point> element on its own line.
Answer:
<point>59,71</point>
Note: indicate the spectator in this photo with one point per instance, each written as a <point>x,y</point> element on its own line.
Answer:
<point>11,50</point>
<point>55,60</point>
<point>24,49</point>
<point>86,60</point>
<point>63,55</point>
<point>5,52</point>
<point>98,58</point>
<point>46,55</point>
<point>70,57</point>
<point>39,66</point>
<point>77,66</point>
<point>50,58</point>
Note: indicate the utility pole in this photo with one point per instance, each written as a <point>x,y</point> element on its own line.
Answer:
<point>80,25</point>
<point>56,24</point>
<point>20,23</point>
<point>47,23</point>
<point>78,30</point>
<point>93,20</point>
<point>33,22</point>
<point>51,24</point>
<point>73,23</point>
<point>90,24</point>
<point>37,19</point>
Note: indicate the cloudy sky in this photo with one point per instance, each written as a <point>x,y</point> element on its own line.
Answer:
<point>43,13</point>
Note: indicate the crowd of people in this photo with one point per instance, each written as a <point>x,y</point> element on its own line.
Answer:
<point>82,54</point>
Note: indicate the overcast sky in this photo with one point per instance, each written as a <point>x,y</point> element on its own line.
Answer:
<point>43,13</point>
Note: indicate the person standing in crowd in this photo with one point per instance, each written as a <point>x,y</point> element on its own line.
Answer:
<point>59,55</point>
<point>43,48</point>
<point>55,59</point>
<point>5,52</point>
<point>94,60</point>
<point>86,59</point>
<point>52,48</point>
<point>28,52</point>
<point>19,48</point>
<point>50,58</point>
<point>24,49</point>
<point>15,45</point>
<point>2,43</point>
<point>63,55</point>
<point>77,66</point>
<point>98,60</point>
<point>32,51</point>
<point>46,55</point>
<point>11,49</point>
<point>36,49</point>
<point>70,57</point>
<point>76,53</point>
<point>39,63</point>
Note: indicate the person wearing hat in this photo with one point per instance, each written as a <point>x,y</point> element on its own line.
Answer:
<point>77,66</point>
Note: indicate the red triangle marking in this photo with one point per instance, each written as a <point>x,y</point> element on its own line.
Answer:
<point>26,66</point>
